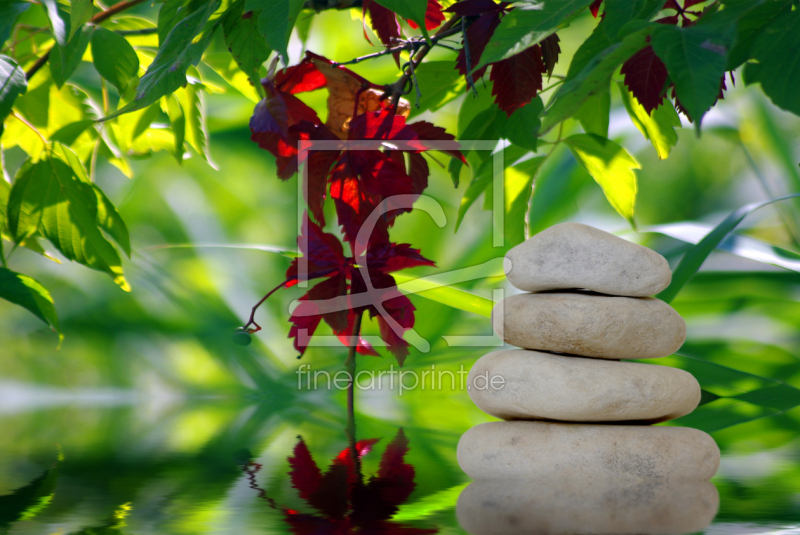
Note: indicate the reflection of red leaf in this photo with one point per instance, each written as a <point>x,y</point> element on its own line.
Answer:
<point>478,35</point>
<point>517,79</point>
<point>394,468</point>
<point>304,473</point>
<point>433,16</point>
<point>645,75</point>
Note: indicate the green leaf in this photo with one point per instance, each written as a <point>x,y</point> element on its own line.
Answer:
<point>611,166</point>
<point>223,64</point>
<point>777,52</point>
<point>620,12</point>
<point>658,127</point>
<point>409,9</point>
<point>525,26</point>
<point>114,58</point>
<point>695,58</point>
<point>23,501</point>
<point>245,44</point>
<point>518,184</point>
<point>752,26</point>
<point>430,504</point>
<point>167,73</point>
<point>65,59</point>
<point>170,14</point>
<point>694,257</point>
<point>108,218</point>
<point>65,209</point>
<point>9,13</point>
<point>439,84</point>
<point>595,111</point>
<point>591,78</point>
<point>58,23</point>
<point>276,21</point>
<point>30,295</point>
<point>447,295</point>
<point>191,99</point>
<point>177,121</point>
<point>79,13</point>
<point>522,127</point>
<point>69,133</point>
<point>12,84</point>
<point>596,43</point>
<point>486,125</point>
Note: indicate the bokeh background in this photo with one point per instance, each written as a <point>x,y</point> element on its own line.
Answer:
<point>138,423</point>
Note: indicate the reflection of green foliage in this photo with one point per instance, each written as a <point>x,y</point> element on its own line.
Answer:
<point>28,501</point>
<point>112,526</point>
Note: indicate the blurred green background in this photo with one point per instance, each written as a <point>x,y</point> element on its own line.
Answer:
<point>150,403</point>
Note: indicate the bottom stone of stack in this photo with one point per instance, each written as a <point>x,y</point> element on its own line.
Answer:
<point>575,505</point>
<point>553,451</point>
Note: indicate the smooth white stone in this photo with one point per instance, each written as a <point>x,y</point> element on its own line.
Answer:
<point>590,325</point>
<point>543,386</point>
<point>552,451</point>
<point>576,505</point>
<point>572,255</point>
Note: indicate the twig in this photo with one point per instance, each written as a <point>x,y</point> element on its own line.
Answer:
<point>97,19</point>
<point>143,31</point>
<point>251,320</point>
<point>396,89</point>
<point>416,85</point>
<point>468,57</point>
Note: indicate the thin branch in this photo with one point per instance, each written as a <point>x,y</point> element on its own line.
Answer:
<point>97,19</point>
<point>396,89</point>
<point>143,31</point>
<point>251,320</point>
<point>468,57</point>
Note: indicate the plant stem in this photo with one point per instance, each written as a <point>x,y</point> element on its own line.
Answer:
<point>350,365</point>
<point>97,19</point>
<point>396,89</point>
<point>29,125</point>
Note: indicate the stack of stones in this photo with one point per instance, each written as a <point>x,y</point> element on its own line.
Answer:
<point>571,407</point>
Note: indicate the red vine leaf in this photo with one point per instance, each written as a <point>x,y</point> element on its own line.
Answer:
<point>478,35</point>
<point>433,16</point>
<point>595,7</point>
<point>476,8</point>
<point>645,75</point>
<point>517,79</point>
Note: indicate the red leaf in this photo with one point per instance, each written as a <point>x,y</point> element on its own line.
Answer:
<point>381,124</point>
<point>400,309</point>
<point>475,8</point>
<point>550,52</point>
<point>389,257</point>
<point>433,16</point>
<point>323,252</point>
<point>308,313</point>
<point>645,75</point>
<point>478,35</point>
<point>304,473</point>
<point>299,78</point>
<point>384,22</point>
<point>517,79</point>
<point>595,7</point>
<point>418,171</point>
<point>426,131</point>
<point>270,116</point>
<point>346,337</point>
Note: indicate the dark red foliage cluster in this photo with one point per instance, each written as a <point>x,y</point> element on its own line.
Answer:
<point>645,74</point>
<point>387,27</point>
<point>359,182</point>
<point>344,502</point>
<point>515,80</point>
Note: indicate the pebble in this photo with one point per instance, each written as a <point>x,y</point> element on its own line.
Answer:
<point>590,325</point>
<point>573,255</point>
<point>543,386</point>
<point>552,451</point>
<point>576,505</point>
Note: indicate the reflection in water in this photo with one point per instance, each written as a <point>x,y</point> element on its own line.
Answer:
<point>578,506</point>
<point>343,500</point>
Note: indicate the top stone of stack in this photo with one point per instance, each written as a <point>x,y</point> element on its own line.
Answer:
<point>576,256</point>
